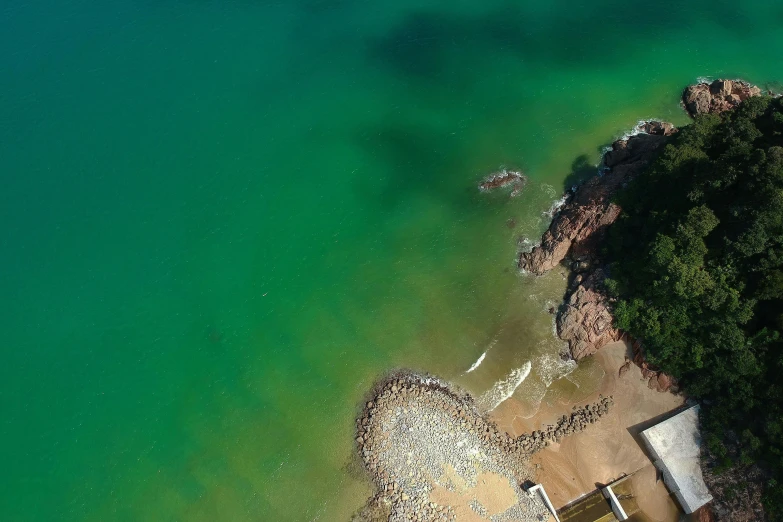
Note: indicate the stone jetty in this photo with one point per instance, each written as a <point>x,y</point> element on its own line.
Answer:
<point>433,456</point>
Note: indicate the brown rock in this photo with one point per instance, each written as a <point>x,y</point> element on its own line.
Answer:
<point>585,321</point>
<point>659,128</point>
<point>717,97</point>
<point>582,222</point>
<point>665,382</point>
<point>721,88</point>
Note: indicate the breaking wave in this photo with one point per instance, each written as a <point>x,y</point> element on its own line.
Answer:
<point>556,206</point>
<point>504,388</point>
<point>478,361</point>
<point>481,357</point>
<point>551,368</point>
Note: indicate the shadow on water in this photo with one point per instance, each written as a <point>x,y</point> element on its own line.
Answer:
<point>410,154</point>
<point>581,170</point>
<point>424,44</point>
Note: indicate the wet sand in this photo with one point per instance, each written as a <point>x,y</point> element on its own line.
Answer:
<point>605,451</point>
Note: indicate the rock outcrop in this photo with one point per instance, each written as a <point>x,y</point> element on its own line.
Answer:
<point>581,224</point>
<point>576,232</point>
<point>585,321</point>
<point>716,97</point>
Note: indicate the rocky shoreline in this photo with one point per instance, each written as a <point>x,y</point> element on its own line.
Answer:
<point>431,453</point>
<point>576,233</point>
<point>422,441</point>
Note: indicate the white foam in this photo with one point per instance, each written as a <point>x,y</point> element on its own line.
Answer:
<point>556,206</point>
<point>481,358</point>
<point>504,388</point>
<point>525,244</point>
<point>637,129</point>
<point>551,368</point>
<point>548,189</point>
<point>478,361</point>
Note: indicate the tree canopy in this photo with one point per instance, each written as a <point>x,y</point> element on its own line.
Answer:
<point>696,266</point>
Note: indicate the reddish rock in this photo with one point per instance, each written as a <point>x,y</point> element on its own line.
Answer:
<point>582,223</point>
<point>585,321</point>
<point>717,97</point>
<point>664,381</point>
<point>658,128</point>
<point>704,514</point>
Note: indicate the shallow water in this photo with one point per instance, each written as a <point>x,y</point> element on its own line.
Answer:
<point>222,221</point>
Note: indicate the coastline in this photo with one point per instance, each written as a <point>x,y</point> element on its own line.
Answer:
<point>560,444</point>
<point>606,450</point>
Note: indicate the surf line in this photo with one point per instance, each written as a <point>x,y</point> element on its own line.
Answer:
<point>481,357</point>
<point>504,388</point>
<point>478,362</point>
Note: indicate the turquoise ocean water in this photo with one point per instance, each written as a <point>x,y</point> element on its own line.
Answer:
<point>221,221</point>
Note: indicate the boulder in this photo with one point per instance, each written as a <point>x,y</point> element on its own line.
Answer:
<point>585,321</point>
<point>716,97</point>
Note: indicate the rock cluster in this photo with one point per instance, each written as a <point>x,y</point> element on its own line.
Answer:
<point>580,225</point>
<point>716,97</point>
<point>656,379</point>
<point>414,429</point>
<point>504,178</point>
<point>579,419</point>
<point>585,320</point>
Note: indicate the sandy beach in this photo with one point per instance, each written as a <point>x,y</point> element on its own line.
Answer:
<point>607,450</point>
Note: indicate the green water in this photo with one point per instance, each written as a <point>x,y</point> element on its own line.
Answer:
<point>222,220</point>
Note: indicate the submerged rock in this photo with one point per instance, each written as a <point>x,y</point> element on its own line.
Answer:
<point>504,178</point>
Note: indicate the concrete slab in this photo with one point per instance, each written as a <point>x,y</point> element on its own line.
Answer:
<point>675,446</point>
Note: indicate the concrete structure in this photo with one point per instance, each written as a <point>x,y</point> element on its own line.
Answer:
<point>611,503</point>
<point>674,446</point>
<point>540,489</point>
<point>617,509</point>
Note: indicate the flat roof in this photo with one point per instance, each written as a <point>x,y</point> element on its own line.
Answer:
<point>675,446</point>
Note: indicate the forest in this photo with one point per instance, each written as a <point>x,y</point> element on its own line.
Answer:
<point>695,265</point>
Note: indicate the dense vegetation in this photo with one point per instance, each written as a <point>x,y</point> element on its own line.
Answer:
<point>696,264</point>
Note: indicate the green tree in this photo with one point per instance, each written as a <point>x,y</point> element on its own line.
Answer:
<point>696,265</point>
